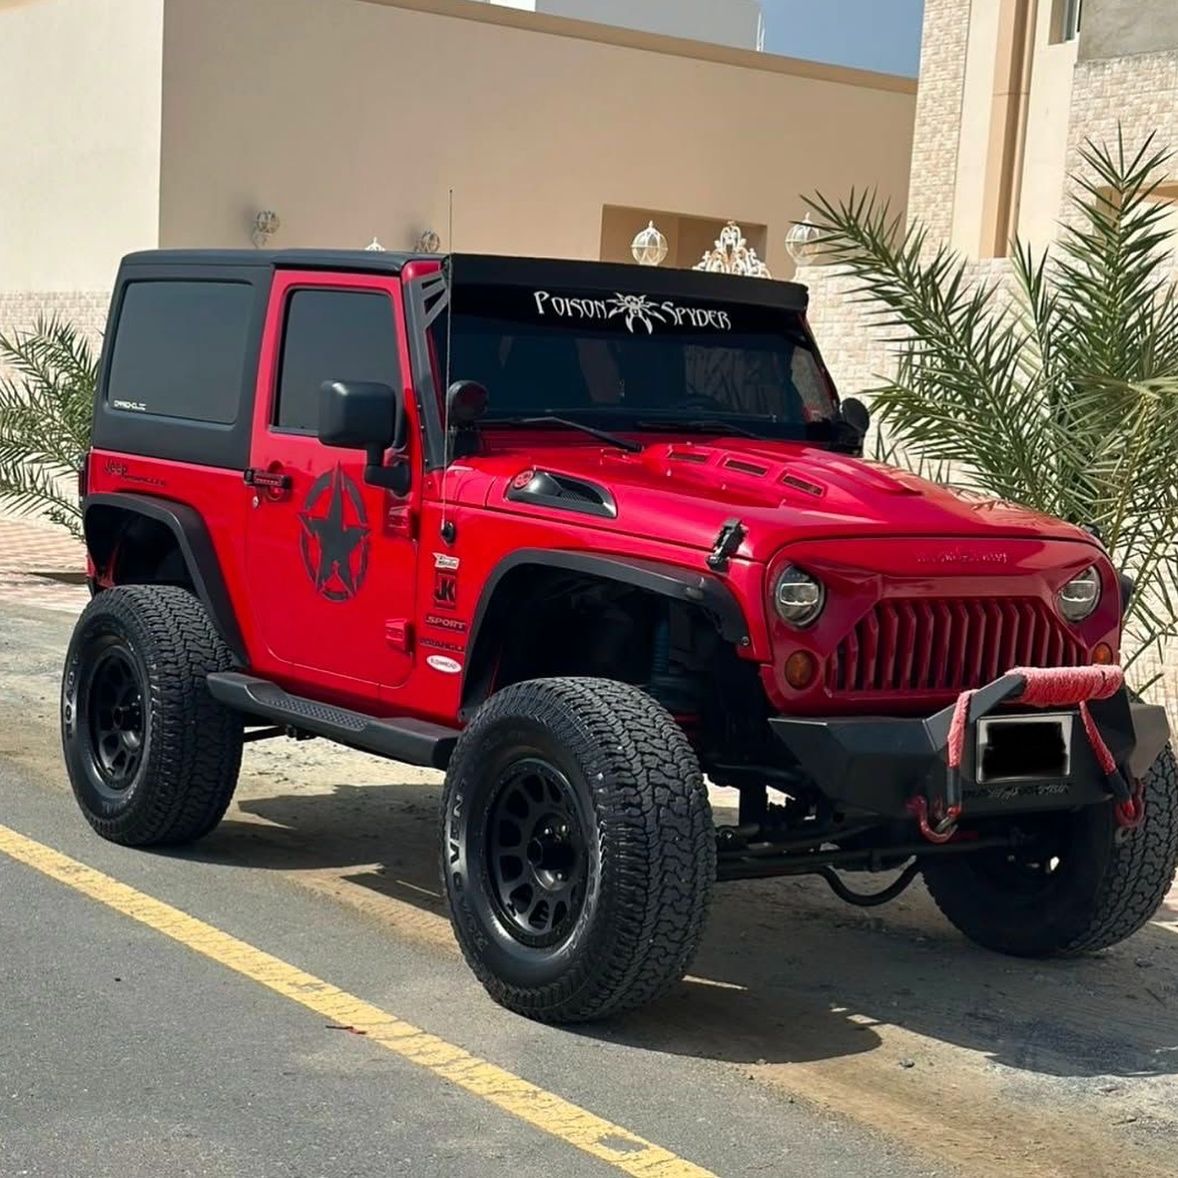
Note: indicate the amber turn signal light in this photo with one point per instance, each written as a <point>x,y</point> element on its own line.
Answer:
<point>799,669</point>
<point>1102,655</point>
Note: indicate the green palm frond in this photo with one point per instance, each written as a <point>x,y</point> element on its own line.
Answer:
<point>47,381</point>
<point>1060,392</point>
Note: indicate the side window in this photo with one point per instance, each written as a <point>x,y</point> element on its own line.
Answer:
<point>332,335</point>
<point>180,349</point>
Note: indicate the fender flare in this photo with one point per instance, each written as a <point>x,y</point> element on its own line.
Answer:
<point>192,539</point>
<point>700,589</point>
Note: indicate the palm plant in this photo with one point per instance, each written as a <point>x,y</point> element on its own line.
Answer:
<point>1059,391</point>
<point>45,407</point>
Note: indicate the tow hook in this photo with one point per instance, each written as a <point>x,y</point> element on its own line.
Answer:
<point>728,541</point>
<point>938,828</point>
<point>1130,814</point>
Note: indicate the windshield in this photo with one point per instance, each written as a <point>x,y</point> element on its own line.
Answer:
<point>632,360</point>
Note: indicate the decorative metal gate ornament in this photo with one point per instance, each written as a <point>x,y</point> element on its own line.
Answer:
<point>733,255</point>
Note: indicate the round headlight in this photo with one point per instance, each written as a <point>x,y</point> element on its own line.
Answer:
<point>1080,596</point>
<point>799,597</point>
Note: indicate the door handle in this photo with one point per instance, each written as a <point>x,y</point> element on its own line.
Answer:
<point>273,483</point>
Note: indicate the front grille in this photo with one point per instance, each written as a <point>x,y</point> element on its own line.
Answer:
<point>931,644</point>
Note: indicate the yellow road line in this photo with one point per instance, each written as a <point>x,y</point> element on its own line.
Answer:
<point>543,1110</point>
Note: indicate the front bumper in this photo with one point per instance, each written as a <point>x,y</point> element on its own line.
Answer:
<point>876,765</point>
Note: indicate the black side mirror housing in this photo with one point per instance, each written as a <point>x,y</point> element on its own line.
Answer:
<point>357,415</point>
<point>855,414</point>
<point>850,428</point>
<point>466,402</point>
<point>368,416</point>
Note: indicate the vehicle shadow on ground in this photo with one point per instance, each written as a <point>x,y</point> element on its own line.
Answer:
<point>787,972</point>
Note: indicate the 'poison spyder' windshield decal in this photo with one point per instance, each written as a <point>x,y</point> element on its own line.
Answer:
<point>636,311</point>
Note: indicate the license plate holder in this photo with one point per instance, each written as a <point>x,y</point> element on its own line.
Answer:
<point>1035,747</point>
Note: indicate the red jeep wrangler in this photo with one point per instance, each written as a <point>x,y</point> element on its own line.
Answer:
<point>580,534</point>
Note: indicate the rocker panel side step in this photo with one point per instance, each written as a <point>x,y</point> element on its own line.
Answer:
<point>416,742</point>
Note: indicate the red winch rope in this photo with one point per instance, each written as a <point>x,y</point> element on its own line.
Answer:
<point>1055,687</point>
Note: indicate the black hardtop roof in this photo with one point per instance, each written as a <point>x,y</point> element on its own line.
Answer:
<point>559,275</point>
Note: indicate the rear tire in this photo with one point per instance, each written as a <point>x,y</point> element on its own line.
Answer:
<point>1107,882</point>
<point>153,759</point>
<point>578,851</point>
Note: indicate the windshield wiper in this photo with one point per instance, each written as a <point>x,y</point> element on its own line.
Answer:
<point>698,425</point>
<point>552,419</point>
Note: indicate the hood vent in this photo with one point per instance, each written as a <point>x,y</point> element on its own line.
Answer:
<point>745,467</point>
<point>807,488</point>
<point>543,488</point>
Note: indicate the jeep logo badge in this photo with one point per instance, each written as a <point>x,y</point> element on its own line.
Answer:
<point>334,536</point>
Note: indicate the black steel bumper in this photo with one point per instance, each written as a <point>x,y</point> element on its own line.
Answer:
<point>877,765</point>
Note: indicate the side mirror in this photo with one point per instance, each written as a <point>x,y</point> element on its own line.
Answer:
<point>855,414</point>
<point>358,415</point>
<point>466,402</point>
<point>365,415</point>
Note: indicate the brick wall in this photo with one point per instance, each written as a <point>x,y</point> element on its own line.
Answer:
<point>938,114</point>
<point>855,348</point>
<point>1138,94</point>
<point>86,309</point>
<point>19,310</point>
<point>852,348</point>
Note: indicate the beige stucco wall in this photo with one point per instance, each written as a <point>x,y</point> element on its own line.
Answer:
<point>1046,146</point>
<point>974,119</point>
<point>79,139</point>
<point>1123,28</point>
<point>354,118</point>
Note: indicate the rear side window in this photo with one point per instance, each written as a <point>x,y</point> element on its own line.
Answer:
<point>332,335</point>
<point>180,350</point>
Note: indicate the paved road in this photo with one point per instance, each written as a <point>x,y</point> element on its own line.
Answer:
<point>811,1039</point>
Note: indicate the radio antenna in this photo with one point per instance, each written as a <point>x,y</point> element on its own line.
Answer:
<point>448,528</point>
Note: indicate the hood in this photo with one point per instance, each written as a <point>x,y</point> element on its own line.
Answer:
<point>682,492</point>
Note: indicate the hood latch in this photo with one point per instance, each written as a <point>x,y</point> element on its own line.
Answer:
<point>728,540</point>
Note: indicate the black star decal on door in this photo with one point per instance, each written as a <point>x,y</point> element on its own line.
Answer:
<point>334,536</point>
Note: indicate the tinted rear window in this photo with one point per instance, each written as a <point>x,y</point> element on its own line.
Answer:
<point>180,350</point>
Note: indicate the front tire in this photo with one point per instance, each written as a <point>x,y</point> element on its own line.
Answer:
<point>153,759</point>
<point>1090,885</point>
<point>578,850</point>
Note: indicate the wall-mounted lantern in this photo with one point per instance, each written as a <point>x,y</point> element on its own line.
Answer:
<point>265,224</point>
<point>802,241</point>
<point>649,247</point>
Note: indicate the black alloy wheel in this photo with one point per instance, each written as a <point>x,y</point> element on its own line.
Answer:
<point>115,723</point>
<point>537,854</point>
